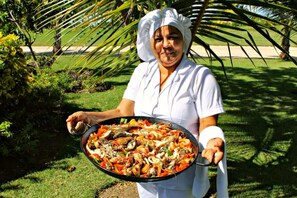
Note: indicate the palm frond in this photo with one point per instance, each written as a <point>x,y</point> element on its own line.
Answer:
<point>111,26</point>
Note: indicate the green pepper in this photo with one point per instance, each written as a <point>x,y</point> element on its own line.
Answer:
<point>123,120</point>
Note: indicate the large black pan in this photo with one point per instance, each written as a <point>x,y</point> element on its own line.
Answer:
<point>151,120</point>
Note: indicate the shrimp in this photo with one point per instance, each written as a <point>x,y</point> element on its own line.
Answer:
<point>141,149</point>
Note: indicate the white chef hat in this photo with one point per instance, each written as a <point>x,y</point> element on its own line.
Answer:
<point>156,19</point>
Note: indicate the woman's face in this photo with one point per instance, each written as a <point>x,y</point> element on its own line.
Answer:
<point>167,45</point>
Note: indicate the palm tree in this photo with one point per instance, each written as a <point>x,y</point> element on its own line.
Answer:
<point>116,22</point>
<point>289,20</point>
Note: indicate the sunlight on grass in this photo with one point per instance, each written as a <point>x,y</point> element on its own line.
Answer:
<point>46,38</point>
<point>56,181</point>
<point>259,125</point>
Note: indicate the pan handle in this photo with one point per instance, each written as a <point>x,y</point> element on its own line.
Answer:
<point>203,164</point>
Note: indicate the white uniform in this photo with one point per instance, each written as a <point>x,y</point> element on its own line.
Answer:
<point>191,92</point>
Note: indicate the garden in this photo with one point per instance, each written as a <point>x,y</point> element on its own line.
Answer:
<point>259,124</point>
<point>39,158</point>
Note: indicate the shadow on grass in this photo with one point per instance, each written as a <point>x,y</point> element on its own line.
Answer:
<point>260,128</point>
<point>54,143</point>
<point>261,145</point>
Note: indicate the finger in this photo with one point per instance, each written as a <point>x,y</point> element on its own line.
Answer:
<point>70,127</point>
<point>220,145</point>
<point>69,119</point>
<point>208,154</point>
<point>218,157</point>
<point>79,125</point>
<point>216,142</point>
<point>73,117</point>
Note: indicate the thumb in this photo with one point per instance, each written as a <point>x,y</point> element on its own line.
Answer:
<point>218,156</point>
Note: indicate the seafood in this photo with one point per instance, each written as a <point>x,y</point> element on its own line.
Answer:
<point>141,149</point>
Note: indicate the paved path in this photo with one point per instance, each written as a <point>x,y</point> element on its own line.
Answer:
<point>221,51</point>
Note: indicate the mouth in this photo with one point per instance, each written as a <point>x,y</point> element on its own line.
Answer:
<point>169,53</point>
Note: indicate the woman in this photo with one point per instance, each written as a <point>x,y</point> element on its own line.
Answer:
<point>169,86</point>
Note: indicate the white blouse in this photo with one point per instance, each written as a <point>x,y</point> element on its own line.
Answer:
<point>191,92</point>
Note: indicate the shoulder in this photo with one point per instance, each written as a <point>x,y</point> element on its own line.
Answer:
<point>141,67</point>
<point>189,67</point>
<point>145,67</point>
<point>199,75</point>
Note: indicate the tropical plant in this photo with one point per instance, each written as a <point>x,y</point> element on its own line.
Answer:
<point>15,75</point>
<point>289,19</point>
<point>17,17</point>
<point>20,18</point>
<point>29,100</point>
<point>15,79</point>
<point>44,13</point>
<point>112,25</point>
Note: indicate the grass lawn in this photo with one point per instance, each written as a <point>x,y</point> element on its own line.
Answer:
<point>46,38</point>
<point>258,38</point>
<point>259,124</point>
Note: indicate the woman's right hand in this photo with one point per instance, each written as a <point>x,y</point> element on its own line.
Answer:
<point>78,122</point>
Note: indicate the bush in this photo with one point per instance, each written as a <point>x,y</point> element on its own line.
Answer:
<point>29,104</point>
<point>4,129</point>
<point>15,75</point>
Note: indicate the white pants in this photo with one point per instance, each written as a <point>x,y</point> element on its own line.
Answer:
<point>176,187</point>
<point>150,190</point>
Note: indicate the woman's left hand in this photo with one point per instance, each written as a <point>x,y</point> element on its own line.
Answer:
<point>214,151</point>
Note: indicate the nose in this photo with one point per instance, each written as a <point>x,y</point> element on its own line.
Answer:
<point>166,43</point>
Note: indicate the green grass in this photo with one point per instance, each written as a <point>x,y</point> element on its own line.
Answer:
<point>258,38</point>
<point>55,181</point>
<point>46,38</point>
<point>74,36</point>
<point>259,124</point>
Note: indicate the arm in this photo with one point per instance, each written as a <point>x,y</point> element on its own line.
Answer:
<point>208,121</point>
<point>214,151</point>
<point>125,108</point>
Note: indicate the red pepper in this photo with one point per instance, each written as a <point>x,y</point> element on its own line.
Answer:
<point>181,167</point>
<point>102,164</point>
<point>147,123</point>
<point>96,156</point>
<point>101,130</point>
<point>164,173</point>
<point>119,168</point>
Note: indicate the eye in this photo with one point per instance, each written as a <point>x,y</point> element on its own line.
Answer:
<point>158,39</point>
<point>174,37</point>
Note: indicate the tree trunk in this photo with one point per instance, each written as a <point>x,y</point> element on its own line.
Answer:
<point>285,44</point>
<point>57,48</point>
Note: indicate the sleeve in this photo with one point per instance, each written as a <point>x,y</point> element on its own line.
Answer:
<point>134,83</point>
<point>209,100</point>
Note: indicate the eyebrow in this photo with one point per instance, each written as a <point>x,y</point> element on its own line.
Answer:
<point>157,34</point>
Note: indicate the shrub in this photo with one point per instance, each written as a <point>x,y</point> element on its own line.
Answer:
<point>4,129</point>
<point>15,78</point>
<point>15,75</point>
<point>29,104</point>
